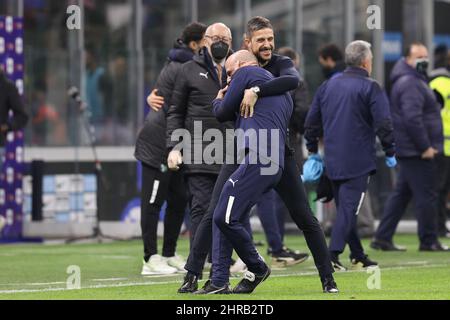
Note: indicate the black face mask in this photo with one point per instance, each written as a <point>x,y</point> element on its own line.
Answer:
<point>219,50</point>
<point>422,66</point>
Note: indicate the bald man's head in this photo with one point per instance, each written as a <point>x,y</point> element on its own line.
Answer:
<point>242,58</point>
<point>219,29</point>
<point>218,41</point>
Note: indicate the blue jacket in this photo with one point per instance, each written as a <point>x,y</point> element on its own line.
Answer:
<point>352,110</point>
<point>270,113</point>
<point>415,112</point>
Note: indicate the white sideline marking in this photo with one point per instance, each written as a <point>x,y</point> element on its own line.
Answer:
<point>162,275</point>
<point>129,284</point>
<point>150,283</point>
<point>45,283</point>
<point>32,284</point>
<point>116,257</point>
<point>417,262</point>
<point>110,279</point>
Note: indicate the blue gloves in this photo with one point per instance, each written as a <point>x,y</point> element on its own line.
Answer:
<point>312,169</point>
<point>391,162</point>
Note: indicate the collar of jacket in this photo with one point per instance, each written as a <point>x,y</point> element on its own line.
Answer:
<point>413,71</point>
<point>204,59</point>
<point>357,70</point>
<point>338,68</point>
<point>180,53</point>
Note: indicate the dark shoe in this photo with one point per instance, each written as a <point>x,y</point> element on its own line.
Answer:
<point>385,246</point>
<point>287,257</point>
<point>337,265</point>
<point>190,284</point>
<point>363,263</point>
<point>251,281</point>
<point>437,247</point>
<point>258,243</point>
<point>270,251</point>
<point>329,286</point>
<point>209,288</point>
<point>292,251</point>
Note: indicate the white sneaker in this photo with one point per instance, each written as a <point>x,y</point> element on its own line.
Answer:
<point>176,262</point>
<point>207,266</point>
<point>2,223</point>
<point>156,265</point>
<point>238,267</point>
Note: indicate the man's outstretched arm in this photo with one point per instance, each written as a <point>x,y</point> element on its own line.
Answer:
<point>313,124</point>
<point>288,80</point>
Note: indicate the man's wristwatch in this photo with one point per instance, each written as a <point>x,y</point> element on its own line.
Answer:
<point>256,90</point>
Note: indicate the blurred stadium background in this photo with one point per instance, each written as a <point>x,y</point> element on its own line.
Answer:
<point>126,41</point>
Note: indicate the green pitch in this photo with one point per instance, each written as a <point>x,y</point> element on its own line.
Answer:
<point>112,271</point>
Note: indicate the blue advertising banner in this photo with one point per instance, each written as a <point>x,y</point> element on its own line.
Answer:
<point>440,39</point>
<point>392,46</point>
<point>11,194</point>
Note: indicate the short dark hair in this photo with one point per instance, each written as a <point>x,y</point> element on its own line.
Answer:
<point>409,47</point>
<point>256,24</point>
<point>194,31</point>
<point>288,52</point>
<point>331,51</point>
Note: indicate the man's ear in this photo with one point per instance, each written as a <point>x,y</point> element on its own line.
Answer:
<point>247,42</point>
<point>192,45</point>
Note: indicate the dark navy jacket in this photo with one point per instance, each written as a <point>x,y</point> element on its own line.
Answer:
<point>351,109</point>
<point>415,112</point>
<point>271,113</point>
<point>286,79</point>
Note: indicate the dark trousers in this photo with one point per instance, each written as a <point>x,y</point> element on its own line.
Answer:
<point>292,192</point>
<point>443,164</point>
<point>202,242</point>
<point>244,189</point>
<point>200,187</point>
<point>348,196</point>
<point>415,180</point>
<point>158,187</point>
<point>271,214</point>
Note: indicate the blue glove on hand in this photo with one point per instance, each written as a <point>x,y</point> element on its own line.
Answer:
<point>312,169</point>
<point>391,162</point>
